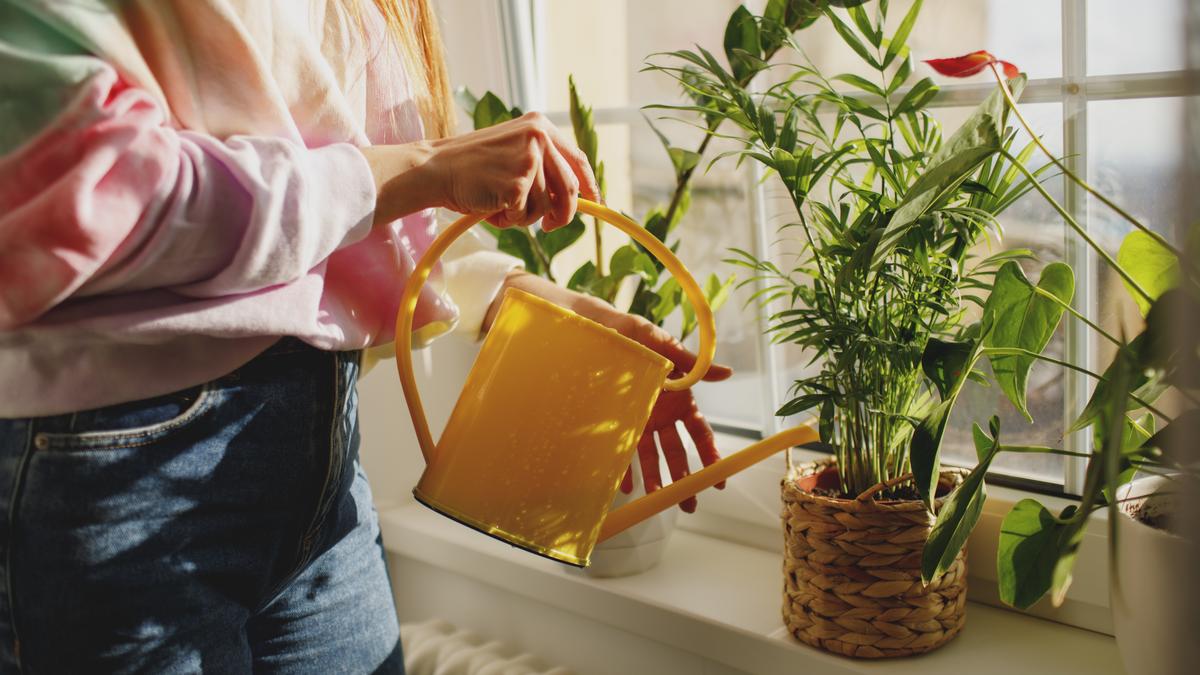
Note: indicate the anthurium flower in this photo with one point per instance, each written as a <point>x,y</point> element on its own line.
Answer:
<point>969,64</point>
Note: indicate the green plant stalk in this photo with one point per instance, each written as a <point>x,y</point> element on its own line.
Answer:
<point>539,252</point>
<point>1080,231</point>
<point>1071,174</point>
<point>1075,313</point>
<point>1016,351</point>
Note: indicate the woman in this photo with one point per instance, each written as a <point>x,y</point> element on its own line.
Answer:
<point>207,210</point>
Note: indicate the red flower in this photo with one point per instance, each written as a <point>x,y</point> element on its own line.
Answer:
<point>969,64</point>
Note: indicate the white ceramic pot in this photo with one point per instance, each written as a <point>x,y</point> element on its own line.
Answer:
<point>640,547</point>
<point>1152,618</point>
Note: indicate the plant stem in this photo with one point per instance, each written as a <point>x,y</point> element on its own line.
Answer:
<point>538,251</point>
<point>1079,230</point>
<point>1075,313</point>
<point>1017,351</point>
<point>1071,174</point>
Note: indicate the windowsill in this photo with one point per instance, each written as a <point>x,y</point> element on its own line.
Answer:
<point>720,600</point>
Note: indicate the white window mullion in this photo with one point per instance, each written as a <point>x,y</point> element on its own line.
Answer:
<point>520,58</point>
<point>1076,385</point>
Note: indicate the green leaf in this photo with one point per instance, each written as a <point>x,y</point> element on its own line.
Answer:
<point>862,83</point>
<point>1176,441</point>
<point>741,39</point>
<point>875,37</point>
<point>925,450</point>
<point>1147,384</point>
<point>716,291</point>
<point>945,361</point>
<point>517,242</point>
<point>901,36</point>
<point>491,111</point>
<point>1153,266</point>
<point>979,137</point>
<point>960,511</point>
<point>669,295</point>
<point>583,124</point>
<point>1031,547</point>
<point>466,100</point>
<point>554,242</point>
<point>1022,318</point>
<point>628,260</point>
<point>583,278</point>
<point>851,40</point>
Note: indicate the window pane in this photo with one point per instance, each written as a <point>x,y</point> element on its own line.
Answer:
<point>718,219</point>
<point>1029,223</point>
<point>605,44</point>
<point>1026,32</point>
<point>1135,37</point>
<point>1135,157</point>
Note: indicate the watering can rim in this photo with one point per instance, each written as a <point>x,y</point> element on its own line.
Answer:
<point>587,324</point>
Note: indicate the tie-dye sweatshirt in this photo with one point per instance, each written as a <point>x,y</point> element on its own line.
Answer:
<point>180,185</point>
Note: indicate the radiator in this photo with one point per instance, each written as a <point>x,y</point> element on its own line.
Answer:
<point>437,647</point>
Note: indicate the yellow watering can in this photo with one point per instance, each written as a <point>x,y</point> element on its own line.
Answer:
<point>550,416</point>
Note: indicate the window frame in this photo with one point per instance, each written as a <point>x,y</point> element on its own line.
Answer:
<point>523,38</point>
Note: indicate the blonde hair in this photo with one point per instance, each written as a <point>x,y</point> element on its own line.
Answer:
<point>413,29</point>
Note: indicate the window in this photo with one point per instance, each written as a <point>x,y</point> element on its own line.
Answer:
<point>1106,90</point>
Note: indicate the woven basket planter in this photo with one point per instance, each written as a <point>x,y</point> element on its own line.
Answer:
<point>852,571</point>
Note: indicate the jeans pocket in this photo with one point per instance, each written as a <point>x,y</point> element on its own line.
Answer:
<point>131,424</point>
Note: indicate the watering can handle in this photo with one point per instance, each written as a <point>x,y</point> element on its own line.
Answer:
<point>412,290</point>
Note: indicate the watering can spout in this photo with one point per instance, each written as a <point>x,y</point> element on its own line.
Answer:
<point>664,498</point>
<point>551,413</point>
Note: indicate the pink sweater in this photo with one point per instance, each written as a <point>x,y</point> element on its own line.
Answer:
<point>179,186</point>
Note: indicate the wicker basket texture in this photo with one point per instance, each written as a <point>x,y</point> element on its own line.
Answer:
<point>852,571</point>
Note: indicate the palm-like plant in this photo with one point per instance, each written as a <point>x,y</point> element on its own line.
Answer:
<point>889,218</point>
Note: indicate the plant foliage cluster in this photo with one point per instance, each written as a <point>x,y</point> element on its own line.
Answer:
<point>889,218</point>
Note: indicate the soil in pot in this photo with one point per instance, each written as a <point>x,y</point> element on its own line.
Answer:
<point>852,571</point>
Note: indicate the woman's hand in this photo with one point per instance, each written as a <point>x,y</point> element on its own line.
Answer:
<point>671,406</point>
<point>517,171</point>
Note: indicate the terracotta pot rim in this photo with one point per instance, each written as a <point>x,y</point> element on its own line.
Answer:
<point>952,476</point>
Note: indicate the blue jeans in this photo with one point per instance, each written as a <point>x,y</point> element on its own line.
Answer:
<point>227,528</point>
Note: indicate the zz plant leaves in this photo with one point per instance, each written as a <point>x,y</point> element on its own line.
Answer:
<point>961,510</point>
<point>1023,316</point>
<point>553,243</point>
<point>490,110</point>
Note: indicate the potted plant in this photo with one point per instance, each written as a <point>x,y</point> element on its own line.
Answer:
<point>1133,435</point>
<point>889,222</point>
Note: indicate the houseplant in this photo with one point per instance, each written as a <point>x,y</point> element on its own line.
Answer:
<point>889,218</point>
<point>1038,548</point>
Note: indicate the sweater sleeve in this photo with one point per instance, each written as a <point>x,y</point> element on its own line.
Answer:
<point>105,196</point>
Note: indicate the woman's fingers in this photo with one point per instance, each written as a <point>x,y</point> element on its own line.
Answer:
<point>702,436</point>
<point>648,457</point>
<point>530,207</point>
<point>676,456</point>
<point>627,480</point>
<point>578,163</point>
<point>563,186</point>
<point>662,342</point>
